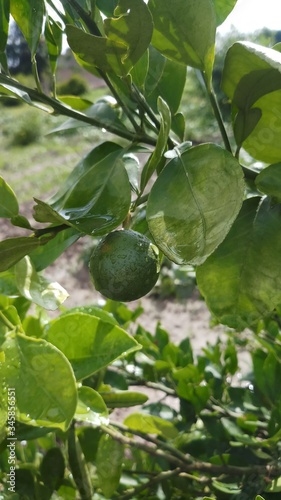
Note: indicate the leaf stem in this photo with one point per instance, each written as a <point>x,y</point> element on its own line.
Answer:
<point>78,466</point>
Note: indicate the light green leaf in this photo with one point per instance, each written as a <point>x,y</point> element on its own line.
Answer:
<point>106,54</point>
<point>14,249</point>
<point>157,155</point>
<point>9,206</point>
<point>29,16</point>
<point>178,28</point>
<point>252,80</point>
<point>53,37</point>
<point>223,9</point>
<point>204,190</point>
<point>241,280</point>
<point>139,71</point>
<point>269,181</point>
<point>151,424</point>
<point>109,460</point>
<point>133,27</point>
<point>88,342</point>
<point>36,288</point>
<point>96,196</point>
<point>91,407</point>
<point>43,380</point>
<point>123,399</point>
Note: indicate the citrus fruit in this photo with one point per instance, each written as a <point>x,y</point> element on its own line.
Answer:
<point>124,266</point>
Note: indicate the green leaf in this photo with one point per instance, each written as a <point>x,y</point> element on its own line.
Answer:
<point>204,191</point>
<point>140,69</point>
<point>132,28</point>
<point>53,36</point>
<point>52,468</point>
<point>14,249</point>
<point>29,16</point>
<point>252,80</point>
<point>178,28</point>
<point>91,407</point>
<point>46,254</point>
<point>106,54</point>
<point>151,424</point>
<point>43,380</point>
<point>9,206</point>
<point>223,9</point>
<point>241,280</point>
<point>157,155</point>
<point>88,342</point>
<point>170,85</point>
<point>269,181</point>
<point>8,285</point>
<point>109,460</point>
<point>123,399</point>
<point>4,28</point>
<point>36,288</point>
<point>96,196</point>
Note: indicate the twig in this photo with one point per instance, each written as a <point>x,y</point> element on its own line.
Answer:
<point>162,476</point>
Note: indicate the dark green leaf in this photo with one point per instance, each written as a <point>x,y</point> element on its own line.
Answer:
<point>36,288</point>
<point>88,342</point>
<point>109,460</point>
<point>14,249</point>
<point>241,280</point>
<point>178,28</point>
<point>204,190</point>
<point>52,468</point>
<point>46,254</point>
<point>96,196</point>
<point>107,7</point>
<point>9,206</point>
<point>4,28</point>
<point>29,16</point>
<point>43,380</point>
<point>269,181</point>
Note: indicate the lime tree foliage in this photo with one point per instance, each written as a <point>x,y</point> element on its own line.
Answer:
<point>214,208</point>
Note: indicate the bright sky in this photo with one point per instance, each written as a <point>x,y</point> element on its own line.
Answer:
<point>251,15</point>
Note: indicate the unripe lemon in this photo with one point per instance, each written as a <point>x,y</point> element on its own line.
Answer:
<point>125,265</point>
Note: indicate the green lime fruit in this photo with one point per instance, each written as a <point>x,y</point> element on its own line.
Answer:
<point>125,265</point>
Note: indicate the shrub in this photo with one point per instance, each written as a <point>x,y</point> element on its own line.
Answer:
<point>75,85</point>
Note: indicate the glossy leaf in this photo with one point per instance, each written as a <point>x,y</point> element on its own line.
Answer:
<point>36,288</point>
<point>157,155</point>
<point>31,365</point>
<point>178,28</point>
<point>151,424</point>
<point>96,196</point>
<point>109,460</point>
<point>91,407</point>
<point>241,280</point>
<point>29,16</point>
<point>46,254</point>
<point>9,206</point>
<point>14,249</point>
<point>223,9</point>
<point>252,80</point>
<point>88,342</point>
<point>204,190</point>
<point>123,399</point>
<point>269,181</point>
<point>133,27</point>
